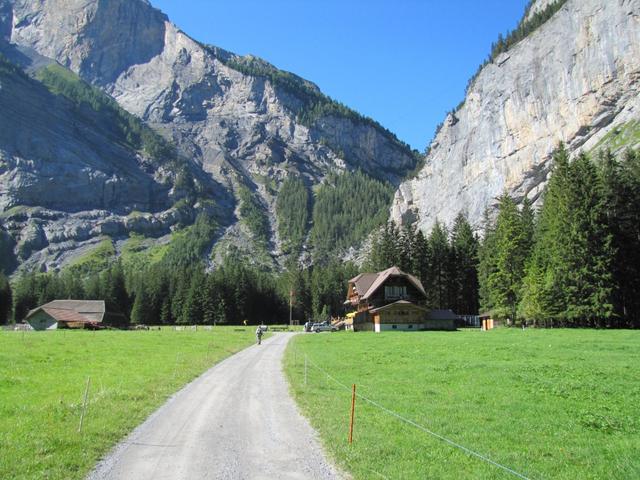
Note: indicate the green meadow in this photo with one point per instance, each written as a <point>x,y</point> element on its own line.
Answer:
<point>43,376</point>
<point>561,404</point>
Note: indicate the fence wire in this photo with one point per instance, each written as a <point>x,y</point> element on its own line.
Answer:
<point>417,425</point>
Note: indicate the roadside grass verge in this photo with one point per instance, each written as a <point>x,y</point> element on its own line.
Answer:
<point>42,380</point>
<point>562,404</point>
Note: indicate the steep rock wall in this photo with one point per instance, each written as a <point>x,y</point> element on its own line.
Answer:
<point>572,80</point>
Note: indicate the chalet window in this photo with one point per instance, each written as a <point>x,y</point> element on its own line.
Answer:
<point>410,326</point>
<point>391,292</point>
<point>394,326</point>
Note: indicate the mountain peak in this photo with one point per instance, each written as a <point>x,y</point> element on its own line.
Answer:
<point>239,126</point>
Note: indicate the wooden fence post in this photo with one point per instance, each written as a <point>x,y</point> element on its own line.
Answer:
<point>84,404</point>
<point>353,411</point>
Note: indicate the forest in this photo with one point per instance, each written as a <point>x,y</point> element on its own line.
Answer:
<point>574,262</point>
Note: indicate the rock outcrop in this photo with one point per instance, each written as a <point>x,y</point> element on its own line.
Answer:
<point>66,180</point>
<point>55,157</point>
<point>573,79</point>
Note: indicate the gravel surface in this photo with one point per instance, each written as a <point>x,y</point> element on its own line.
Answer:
<point>236,421</point>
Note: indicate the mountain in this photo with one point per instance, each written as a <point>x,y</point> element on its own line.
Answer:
<point>134,127</point>
<point>575,78</point>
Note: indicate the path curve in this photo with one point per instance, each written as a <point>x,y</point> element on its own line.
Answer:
<point>236,421</point>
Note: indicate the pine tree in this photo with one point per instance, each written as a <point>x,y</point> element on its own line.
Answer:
<point>439,268</point>
<point>6,298</point>
<point>528,218</point>
<point>139,312</point>
<point>386,248</point>
<point>621,197</point>
<point>588,288</point>
<point>390,248</point>
<point>464,246</point>
<point>545,299</point>
<point>511,253</point>
<point>568,277</point>
<point>72,286</point>
<point>193,306</point>
<point>179,291</point>
<point>25,296</point>
<point>405,250</point>
<point>7,255</point>
<point>421,257</point>
<point>486,263</point>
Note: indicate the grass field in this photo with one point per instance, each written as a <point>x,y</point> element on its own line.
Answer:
<point>561,404</point>
<point>42,380</point>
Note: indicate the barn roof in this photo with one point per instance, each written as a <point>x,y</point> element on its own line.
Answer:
<point>83,311</point>
<point>382,277</point>
<point>85,306</point>
<point>62,315</point>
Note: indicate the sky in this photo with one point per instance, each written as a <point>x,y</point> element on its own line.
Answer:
<point>404,63</point>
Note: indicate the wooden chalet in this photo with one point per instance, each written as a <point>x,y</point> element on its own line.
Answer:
<point>389,300</point>
<point>67,314</point>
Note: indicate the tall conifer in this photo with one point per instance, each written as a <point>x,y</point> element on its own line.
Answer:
<point>464,246</point>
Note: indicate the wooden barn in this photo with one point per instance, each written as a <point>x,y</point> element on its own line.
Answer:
<point>390,300</point>
<point>67,314</point>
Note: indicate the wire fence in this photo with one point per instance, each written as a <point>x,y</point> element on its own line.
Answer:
<point>309,363</point>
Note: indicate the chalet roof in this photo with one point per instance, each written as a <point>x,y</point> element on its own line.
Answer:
<point>442,315</point>
<point>382,277</point>
<point>363,282</point>
<point>84,311</point>
<point>399,303</point>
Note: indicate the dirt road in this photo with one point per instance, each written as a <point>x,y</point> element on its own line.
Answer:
<point>237,421</point>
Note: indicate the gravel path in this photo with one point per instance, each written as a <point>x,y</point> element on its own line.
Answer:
<point>236,421</point>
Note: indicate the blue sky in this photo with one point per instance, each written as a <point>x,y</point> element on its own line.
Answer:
<point>404,63</point>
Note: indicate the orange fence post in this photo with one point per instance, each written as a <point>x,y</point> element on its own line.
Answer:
<point>353,411</point>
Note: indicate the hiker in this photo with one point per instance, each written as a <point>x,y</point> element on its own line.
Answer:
<point>259,333</point>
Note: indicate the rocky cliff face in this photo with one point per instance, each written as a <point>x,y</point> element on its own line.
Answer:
<point>67,179</point>
<point>574,79</point>
<point>238,120</point>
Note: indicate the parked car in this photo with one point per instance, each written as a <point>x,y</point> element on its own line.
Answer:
<point>323,327</point>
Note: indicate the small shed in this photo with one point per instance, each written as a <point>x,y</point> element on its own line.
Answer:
<point>441,320</point>
<point>67,314</point>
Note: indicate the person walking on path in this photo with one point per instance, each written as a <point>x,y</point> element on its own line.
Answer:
<point>259,333</point>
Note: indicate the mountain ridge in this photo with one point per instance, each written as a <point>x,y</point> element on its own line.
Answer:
<point>237,130</point>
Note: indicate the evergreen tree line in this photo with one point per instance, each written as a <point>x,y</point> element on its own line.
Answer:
<point>446,262</point>
<point>253,215</point>
<point>292,211</point>
<point>576,263</point>
<point>8,259</point>
<point>346,209</point>
<point>167,293</point>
